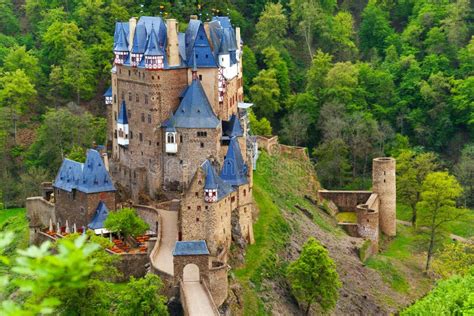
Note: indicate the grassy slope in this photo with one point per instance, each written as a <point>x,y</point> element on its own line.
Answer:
<point>279,184</point>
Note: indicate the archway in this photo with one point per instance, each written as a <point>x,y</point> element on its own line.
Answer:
<point>191,273</point>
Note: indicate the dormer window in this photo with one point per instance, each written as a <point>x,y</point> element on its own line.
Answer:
<point>135,59</point>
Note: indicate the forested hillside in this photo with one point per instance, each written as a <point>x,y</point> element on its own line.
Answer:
<point>349,79</point>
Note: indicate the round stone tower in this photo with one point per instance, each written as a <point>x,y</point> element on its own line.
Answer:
<point>383,184</point>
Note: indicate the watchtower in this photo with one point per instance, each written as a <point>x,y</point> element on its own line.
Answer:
<point>384,185</point>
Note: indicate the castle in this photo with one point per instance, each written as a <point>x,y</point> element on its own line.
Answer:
<point>178,142</point>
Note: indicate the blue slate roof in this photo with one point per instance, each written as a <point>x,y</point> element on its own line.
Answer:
<point>214,182</point>
<point>69,175</point>
<point>118,27</point>
<point>154,47</point>
<point>194,110</point>
<point>108,93</point>
<point>234,170</point>
<point>232,127</point>
<point>139,39</point>
<point>223,37</point>
<point>88,177</point>
<point>190,248</point>
<point>122,115</point>
<point>100,215</point>
<point>121,38</point>
<point>197,44</point>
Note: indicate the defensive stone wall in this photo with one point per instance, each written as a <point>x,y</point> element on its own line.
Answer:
<point>132,264</point>
<point>269,144</point>
<point>149,214</point>
<point>39,213</point>
<point>368,221</point>
<point>218,282</point>
<point>346,201</point>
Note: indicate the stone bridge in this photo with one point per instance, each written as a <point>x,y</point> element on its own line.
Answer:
<point>193,275</point>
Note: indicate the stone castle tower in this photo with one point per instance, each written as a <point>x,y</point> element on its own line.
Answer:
<point>173,101</point>
<point>383,184</point>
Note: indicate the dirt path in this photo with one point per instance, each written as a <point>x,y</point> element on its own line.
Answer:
<point>197,301</point>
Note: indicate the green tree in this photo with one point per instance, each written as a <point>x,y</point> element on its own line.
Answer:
<point>126,222</point>
<point>450,297</point>
<point>274,61</point>
<point>271,27</point>
<point>142,297</point>
<point>342,37</point>
<point>295,128</point>
<point>332,163</point>
<point>60,131</point>
<point>20,58</point>
<point>464,171</point>
<point>9,24</point>
<point>454,259</point>
<point>320,66</point>
<point>265,93</point>
<point>313,277</point>
<point>249,66</point>
<point>260,127</point>
<point>374,29</point>
<point>59,39</point>
<point>16,94</point>
<point>438,206</point>
<point>412,169</point>
<point>41,274</point>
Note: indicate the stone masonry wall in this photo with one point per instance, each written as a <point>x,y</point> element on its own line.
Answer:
<point>346,201</point>
<point>218,282</point>
<point>39,213</point>
<point>202,261</point>
<point>179,168</point>
<point>79,207</point>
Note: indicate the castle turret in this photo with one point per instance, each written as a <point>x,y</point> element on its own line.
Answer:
<point>154,55</point>
<point>383,181</point>
<point>121,43</point>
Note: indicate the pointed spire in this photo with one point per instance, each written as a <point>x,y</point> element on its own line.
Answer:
<point>122,116</point>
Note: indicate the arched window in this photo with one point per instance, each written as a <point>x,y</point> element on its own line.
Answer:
<point>170,138</point>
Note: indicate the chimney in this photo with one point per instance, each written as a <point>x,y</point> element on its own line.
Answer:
<point>193,17</point>
<point>105,159</point>
<point>173,45</point>
<point>132,24</point>
<point>208,33</point>
<point>237,37</point>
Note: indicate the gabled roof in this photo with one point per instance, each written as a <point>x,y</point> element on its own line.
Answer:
<point>232,127</point>
<point>108,93</point>
<point>121,38</point>
<point>122,115</point>
<point>95,178</point>
<point>234,170</point>
<point>214,182</point>
<point>154,47</point>
<point>139,39</point>
<point>197,45</point>
<point>100,215</point>
<point>194,110</point>
<point>223,37</point>
<point>69,175</point>
<point>190,248</point>
<point>88,177</point>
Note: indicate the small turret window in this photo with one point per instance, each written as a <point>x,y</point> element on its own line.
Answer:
<point>170,139</point>
<point>129,96</point>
